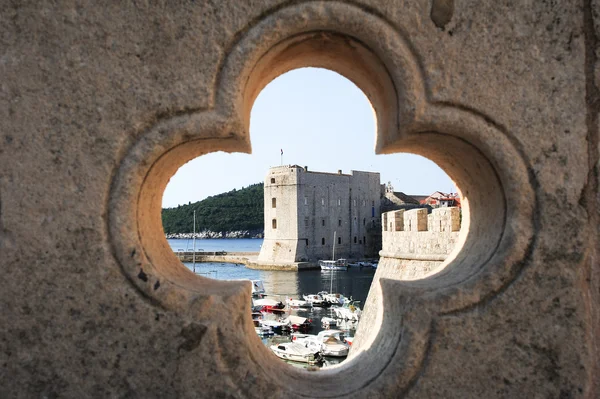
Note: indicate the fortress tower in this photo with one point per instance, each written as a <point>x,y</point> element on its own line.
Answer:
<point>304,209</point>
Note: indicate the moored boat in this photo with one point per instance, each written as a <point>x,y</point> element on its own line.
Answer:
<point>298,303</point>
<point>297,353</point>
<point>349,311</point>
<point>328,342</point>
<point>299,323</point>
<point>316,300</point>
<point>277,326</point>
<point>268,305</point>
<point>334,265</point>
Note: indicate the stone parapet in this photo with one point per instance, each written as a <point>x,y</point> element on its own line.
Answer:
<point>102,102</point>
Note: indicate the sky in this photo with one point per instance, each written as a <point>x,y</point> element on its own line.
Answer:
<point>319,119</point>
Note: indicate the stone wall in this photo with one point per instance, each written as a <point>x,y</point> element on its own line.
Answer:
<point>101,103</point>
<point>416,243</point>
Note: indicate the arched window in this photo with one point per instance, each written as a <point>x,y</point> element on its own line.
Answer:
<point>273,202</point>
<point>274,223</point>
<point>323,241</point>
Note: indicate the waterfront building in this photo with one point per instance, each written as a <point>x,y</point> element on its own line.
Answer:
<point>304,210</point>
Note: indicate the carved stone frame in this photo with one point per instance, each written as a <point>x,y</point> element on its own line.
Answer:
<point>483,158</point>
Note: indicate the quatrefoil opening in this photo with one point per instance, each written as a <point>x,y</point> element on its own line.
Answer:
<point>478,153</point>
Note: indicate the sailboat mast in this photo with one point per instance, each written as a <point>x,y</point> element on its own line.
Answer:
<point>194,236</point>
<point>333,254</point>
<point>333,259</point>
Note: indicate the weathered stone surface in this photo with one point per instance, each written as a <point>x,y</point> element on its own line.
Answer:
<point>101,103</point>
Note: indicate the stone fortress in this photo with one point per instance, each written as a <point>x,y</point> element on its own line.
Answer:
<point>305,209</point>
<point>102,103</point>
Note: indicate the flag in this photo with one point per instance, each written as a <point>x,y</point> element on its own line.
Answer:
<point>282,151</point>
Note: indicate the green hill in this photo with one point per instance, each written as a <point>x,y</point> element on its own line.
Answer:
<point>232,211</point>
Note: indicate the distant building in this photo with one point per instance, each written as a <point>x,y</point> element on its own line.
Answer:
<point>396,200</point>
<point>442,200</point>
<point>303,211</point>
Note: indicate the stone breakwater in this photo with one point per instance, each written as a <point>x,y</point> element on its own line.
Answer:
<point>218,234</point>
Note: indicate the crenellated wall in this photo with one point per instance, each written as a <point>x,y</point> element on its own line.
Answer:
<point>417,243</point>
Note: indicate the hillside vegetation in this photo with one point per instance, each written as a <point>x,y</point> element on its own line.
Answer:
<point>236,210</point>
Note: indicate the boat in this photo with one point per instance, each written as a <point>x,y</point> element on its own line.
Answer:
<point>277,326</point>
<point>258,289</point>
<point>329,342</point>
<point>264,331</point>
<point>269,305</point>
<point>328,322</point>
<point>256,318</point>
<point>334,299</point>
<point>299,323</point>
<point>349,311</point>
<point>297,352</point>
<point>334,265</point>
<point>298,303</point>
<point>316,300</point>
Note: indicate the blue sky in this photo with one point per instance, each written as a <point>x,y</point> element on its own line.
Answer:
<point>320,120</point>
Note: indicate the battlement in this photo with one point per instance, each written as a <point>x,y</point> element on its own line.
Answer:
<point>417,243</point>
<point>415,220</point>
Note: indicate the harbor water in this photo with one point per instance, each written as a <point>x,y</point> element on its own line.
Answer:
<point>279,285</point>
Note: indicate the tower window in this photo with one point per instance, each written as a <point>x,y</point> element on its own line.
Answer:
<point>339,240</point>
<point>322,222</point>
<point>274,223</point>
<point>339,222</point>
<point>355,239</point>
<point>272,180</point>
<point>323,241</point>
<point>273,202</point>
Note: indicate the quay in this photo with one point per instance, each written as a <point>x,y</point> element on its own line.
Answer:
<point>249,259</point>
<point>218,256</point>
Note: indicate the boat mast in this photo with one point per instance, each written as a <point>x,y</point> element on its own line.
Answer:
<point>333,259</point>
<point>194,236</point>
<point>333,255</point>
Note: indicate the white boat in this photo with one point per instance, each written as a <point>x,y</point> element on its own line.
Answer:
<point>334,265</point>
<point>298,323</point>
<point>297,353</point>
<point>316,300</point>
<point>334,299</point>
<point>264,331</point>
<point>276,326</point>
<point>298,303</point>
<point>328,322</point>
<point>349,311</point>
<point>258,289</point>
<point>328,342</point>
